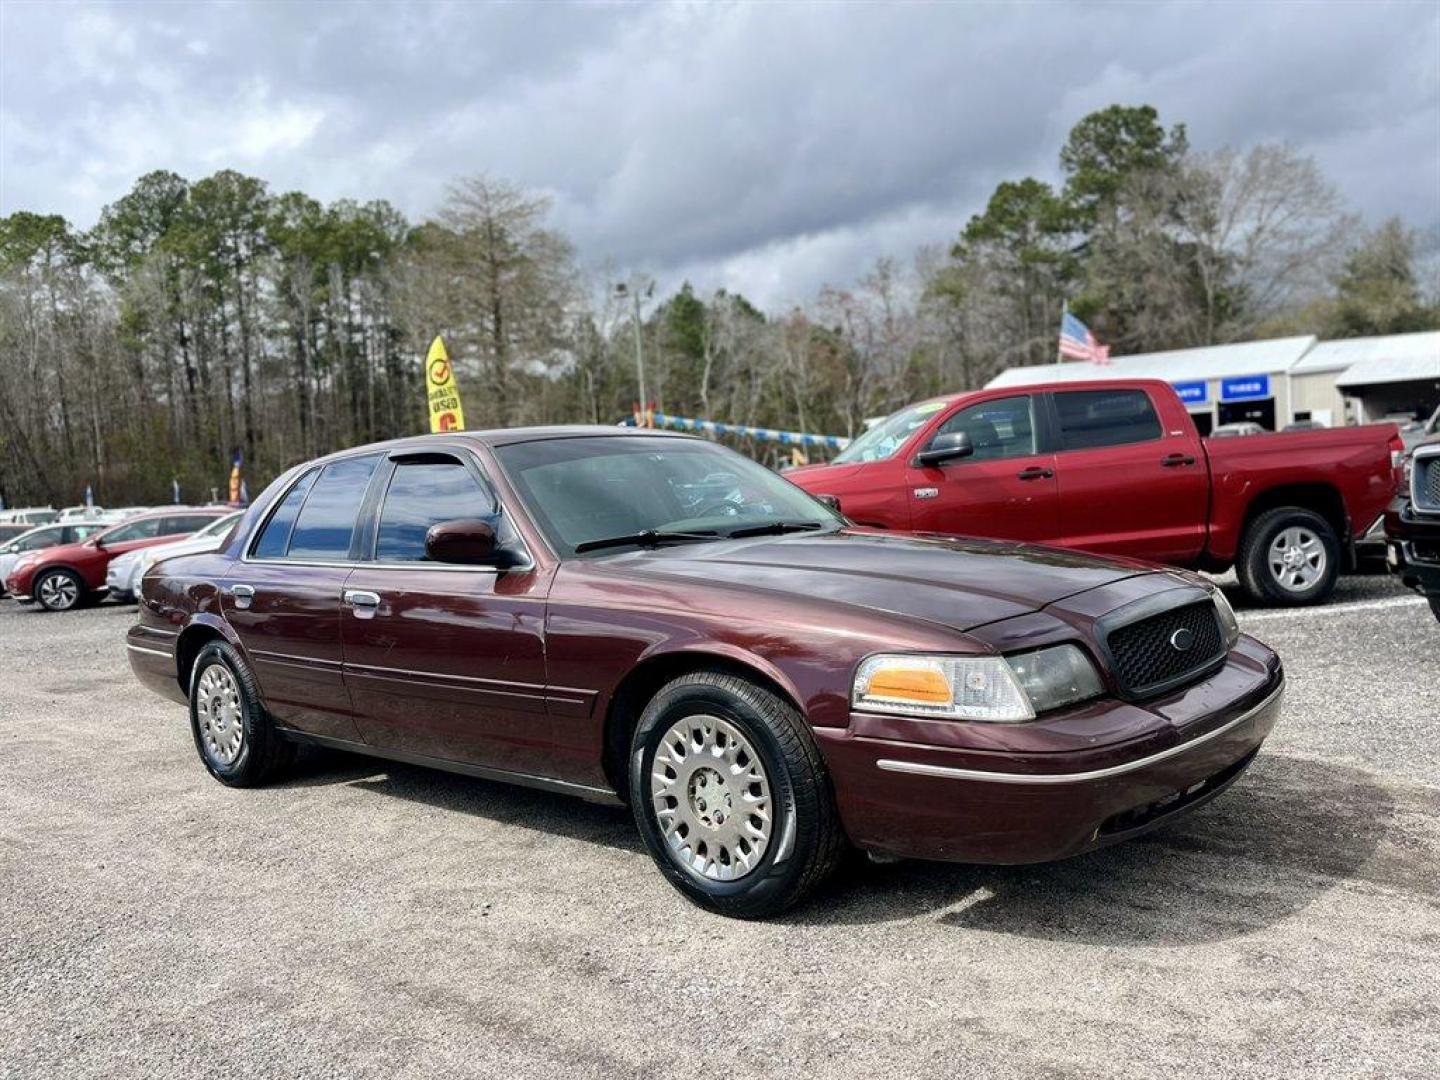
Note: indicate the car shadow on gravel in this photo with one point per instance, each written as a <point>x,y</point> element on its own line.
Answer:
<point>1290,830</point>
<point>508,804</point>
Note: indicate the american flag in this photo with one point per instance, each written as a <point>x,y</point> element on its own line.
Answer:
<point>1078,343</point>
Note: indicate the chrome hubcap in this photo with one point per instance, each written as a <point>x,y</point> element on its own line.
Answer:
<point>58,592</point>
<point>217,707</point>
<point>1297,558</point>
<point>711,798</point>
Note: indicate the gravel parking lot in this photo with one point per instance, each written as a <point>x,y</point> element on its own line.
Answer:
<point>369,919</point>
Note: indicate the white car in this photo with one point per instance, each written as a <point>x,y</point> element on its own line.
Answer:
<point>123,575</point>
<point>81,513</point>
<point>38,539</point>
<point>28,515</point>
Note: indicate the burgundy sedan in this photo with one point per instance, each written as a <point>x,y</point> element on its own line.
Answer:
<point>651,619</point>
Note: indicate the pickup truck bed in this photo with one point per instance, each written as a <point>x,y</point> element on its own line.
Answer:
<point>1117,467</point>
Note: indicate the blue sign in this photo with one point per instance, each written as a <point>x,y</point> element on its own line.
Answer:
<point>1192,393</point>
<point>1245,388</point>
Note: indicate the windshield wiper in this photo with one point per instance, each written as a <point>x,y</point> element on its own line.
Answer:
<point>646,538</point>
<point>775,528</point>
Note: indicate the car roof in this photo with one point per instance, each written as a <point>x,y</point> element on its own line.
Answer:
<point>507,437</point>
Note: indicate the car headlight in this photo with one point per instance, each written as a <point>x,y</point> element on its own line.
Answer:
<point>997,689</point>
<point>1229,625</point>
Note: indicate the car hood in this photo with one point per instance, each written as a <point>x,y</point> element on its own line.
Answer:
<point>955,582</point>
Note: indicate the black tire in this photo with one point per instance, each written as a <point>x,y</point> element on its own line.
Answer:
<point>59,590</point>
<point>1435,607</point>
<point>806,841</point>
<point>262,751</point>
<point>1254,568</point>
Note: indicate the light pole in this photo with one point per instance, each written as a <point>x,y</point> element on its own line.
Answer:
<point>633,289</point>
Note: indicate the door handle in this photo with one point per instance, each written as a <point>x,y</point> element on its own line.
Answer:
<point>1035,472</point>
<point>1170,461</point>
<point>364,603</point>
<point>243,594</point>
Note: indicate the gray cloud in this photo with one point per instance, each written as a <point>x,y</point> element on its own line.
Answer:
<point>762,147</point>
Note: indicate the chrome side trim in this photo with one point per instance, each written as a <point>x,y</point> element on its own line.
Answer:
<point>152,652</point>
<point>923,769</point>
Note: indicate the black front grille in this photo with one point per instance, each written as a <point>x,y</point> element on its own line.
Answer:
<point>1147,655</point>
<point>1427,483</point>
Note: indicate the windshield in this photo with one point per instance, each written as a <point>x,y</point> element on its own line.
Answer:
<point>886,437</point>
<point>591,489</point>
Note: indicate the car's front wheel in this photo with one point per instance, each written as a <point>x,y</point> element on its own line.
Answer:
<point>59,590</point>
<point>233,733</point>
<point>732,797</point>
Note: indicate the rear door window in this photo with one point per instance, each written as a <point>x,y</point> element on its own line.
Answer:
<point>326,525</point>
<point>423,493</point>
<point>147,529</point>
<point>1096,418</point>
<point>186,523</point>
<point>274,539</point>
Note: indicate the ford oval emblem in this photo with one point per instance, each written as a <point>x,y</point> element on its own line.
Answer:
<point>1182,639</point>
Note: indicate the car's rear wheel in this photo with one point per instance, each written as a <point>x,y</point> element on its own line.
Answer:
<point>234,735</point>
<point>1289,556</point>
<point>59,590</point>
<point>732,797</point>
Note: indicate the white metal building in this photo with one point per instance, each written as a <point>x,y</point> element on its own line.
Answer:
<point>1272,383</point>
<point>1390,376</point>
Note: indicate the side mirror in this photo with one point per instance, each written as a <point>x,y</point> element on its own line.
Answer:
<point>947,447</point>
<point>467,542</point>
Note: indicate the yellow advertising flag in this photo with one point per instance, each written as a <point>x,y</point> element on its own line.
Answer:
<point>440,390</point>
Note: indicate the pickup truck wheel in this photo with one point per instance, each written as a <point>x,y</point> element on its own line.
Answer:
<point>732,797</point>
<point>233,733</point>
<point>1289,556</point>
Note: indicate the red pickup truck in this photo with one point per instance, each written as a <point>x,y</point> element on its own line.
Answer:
<point>1118,467</point>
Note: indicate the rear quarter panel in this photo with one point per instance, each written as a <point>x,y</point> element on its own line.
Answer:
<point>178,597</point>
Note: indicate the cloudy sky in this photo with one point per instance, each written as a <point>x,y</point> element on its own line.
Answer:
<point>767,147</point>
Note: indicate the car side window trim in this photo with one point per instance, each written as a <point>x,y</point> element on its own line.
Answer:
<point>374,508</point>
<point>368,522</point>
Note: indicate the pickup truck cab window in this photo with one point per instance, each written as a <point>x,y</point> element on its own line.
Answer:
<point>999,428</point>
<point>1093,418</point>
<point>424,492</point>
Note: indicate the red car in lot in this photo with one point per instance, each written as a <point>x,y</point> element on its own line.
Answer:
<point>1117,467</point>
<point>652,619</point>
<point>65,577</point>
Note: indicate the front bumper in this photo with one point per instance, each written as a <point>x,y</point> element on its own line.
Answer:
<point>1413,548</point>
<point>121,584</point>
<point>18,586</point>
<point>922,800</point>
